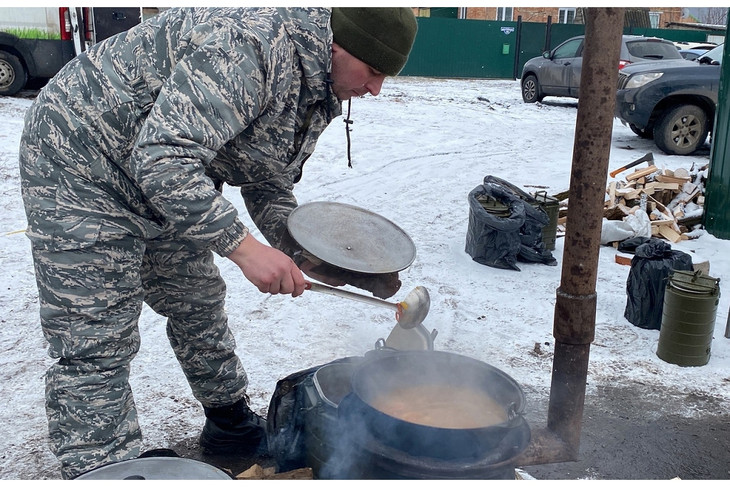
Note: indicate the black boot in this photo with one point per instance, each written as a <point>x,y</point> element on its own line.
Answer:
<point>233,429</point>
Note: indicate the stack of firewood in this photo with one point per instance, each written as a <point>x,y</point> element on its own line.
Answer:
<point>673,200</point>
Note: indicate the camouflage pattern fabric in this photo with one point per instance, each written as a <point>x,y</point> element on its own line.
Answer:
<point>122,159</point>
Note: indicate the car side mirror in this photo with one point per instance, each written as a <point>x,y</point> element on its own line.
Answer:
<point>546,54</point>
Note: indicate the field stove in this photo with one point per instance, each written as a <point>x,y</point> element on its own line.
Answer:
<point>314,421</point>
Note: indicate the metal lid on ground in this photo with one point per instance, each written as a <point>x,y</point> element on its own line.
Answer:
<point>351,238</point>
<point>157,468</point>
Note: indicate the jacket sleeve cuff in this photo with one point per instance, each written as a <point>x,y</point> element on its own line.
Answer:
<point>231,239</point>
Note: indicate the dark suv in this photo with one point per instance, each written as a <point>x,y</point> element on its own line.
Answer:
<point>557,72</point>
<point>673,103</point>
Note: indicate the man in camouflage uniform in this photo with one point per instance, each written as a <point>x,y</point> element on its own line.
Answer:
<point>122,160</point>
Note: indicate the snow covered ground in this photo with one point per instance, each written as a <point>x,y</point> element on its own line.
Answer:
<point>418,150</point>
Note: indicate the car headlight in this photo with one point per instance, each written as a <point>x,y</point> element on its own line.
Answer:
<point>639,80</point>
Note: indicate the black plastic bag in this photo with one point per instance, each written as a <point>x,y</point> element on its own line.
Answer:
<point>651,266</point>
<point>533,247</point>
<point>630,245</point>
<point>492,239</point>
<point>499,241</point>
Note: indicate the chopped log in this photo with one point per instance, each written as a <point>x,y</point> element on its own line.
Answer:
<point>662,178</point>
<point>681,173</point>
<point>665,223</point>
<point>612,194</point>
<point>669,233</point>
<point>633,194</point>
<point>257,472</point>
<point>690,221</point>
<point>687,197</point>
<point>624,191</point>
<point>641,173</point>
<point>678,212</point>
<point>623,259</point>
<point>659,186</point>
<point>660,206</point>
<point>615,213</point>
<point>626,209</point>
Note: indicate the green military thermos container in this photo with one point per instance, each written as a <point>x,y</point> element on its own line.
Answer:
<point>688,318</point>
<point>552,208</point>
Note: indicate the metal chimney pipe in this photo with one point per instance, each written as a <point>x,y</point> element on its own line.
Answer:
<point>575,306</point>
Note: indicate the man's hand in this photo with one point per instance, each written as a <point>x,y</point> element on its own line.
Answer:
<point>269,269</point>
<point>380,285</point>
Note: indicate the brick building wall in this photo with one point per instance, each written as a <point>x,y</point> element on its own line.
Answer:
<point>540,14</point>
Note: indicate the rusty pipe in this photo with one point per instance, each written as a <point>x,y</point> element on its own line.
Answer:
<point>575,305</point>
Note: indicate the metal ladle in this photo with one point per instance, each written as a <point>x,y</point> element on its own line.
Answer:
<point>408,313</point>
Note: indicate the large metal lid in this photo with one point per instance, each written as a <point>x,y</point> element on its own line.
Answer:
<point>157,468</point>
<point>351,238</point>
<point>694,282</point>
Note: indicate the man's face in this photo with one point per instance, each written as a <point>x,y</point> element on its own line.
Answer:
<point>352,77</point>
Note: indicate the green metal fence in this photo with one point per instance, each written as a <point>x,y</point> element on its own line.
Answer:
<point>716,217</point>
<point>453,48</point>
<point>459,48</point>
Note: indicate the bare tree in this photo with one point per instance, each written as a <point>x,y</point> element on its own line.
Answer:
<point>714,15</point>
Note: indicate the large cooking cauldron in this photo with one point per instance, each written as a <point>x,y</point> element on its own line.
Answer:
<point>322,417</point>
<point>387,374</point>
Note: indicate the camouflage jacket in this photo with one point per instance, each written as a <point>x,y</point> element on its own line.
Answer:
<point>188,100</point>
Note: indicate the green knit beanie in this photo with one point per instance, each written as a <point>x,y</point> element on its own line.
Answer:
<point>379,37</point>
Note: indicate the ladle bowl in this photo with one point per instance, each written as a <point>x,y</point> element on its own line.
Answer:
<point>409,313</point>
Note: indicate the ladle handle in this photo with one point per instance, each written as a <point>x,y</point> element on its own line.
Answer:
<point>322,288</point>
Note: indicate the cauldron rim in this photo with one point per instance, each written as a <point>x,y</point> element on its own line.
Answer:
<point>432,440</point>
<point>513,409</point>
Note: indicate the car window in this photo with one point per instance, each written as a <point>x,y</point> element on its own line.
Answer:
<point>646,49</point>
<point>713,56</point>
<point>569,49</point>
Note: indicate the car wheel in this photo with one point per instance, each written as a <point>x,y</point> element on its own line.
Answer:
<point>644,134</point>
<point>531,89</point>
<point>12,74</point>
<point>682,130</point>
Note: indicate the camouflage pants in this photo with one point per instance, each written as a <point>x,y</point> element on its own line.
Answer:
<point>95,264</point>
<point>90,301</point>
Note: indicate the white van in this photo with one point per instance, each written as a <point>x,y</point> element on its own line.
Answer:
<point>36,42</point>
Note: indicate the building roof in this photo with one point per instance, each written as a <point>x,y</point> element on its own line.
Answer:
<point>697,26</point>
